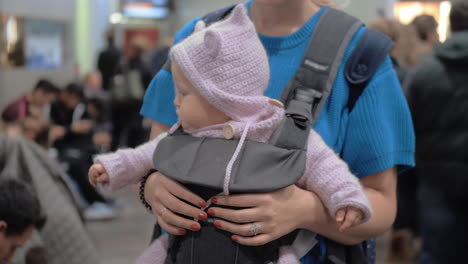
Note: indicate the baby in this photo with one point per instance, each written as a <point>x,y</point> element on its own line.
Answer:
<point>220,74</point>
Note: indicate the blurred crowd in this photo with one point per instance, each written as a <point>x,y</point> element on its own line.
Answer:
<point>100,113</point>
<point>72,124</point>
<point>412,43</point>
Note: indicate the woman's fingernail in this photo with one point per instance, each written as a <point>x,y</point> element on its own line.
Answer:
<point>202,204</point>
<point>211,212</point>
<point>214,200</point>
<point>195,227</point>
<point>217,224</point>
<point>202,216</point>
<point>234,238</point>
<point>182,231</point>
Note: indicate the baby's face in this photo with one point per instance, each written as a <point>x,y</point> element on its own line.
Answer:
<point>193,110</point>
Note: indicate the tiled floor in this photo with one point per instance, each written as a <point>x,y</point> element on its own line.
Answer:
<point>121,240</point>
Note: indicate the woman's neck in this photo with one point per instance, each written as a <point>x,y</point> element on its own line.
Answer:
<point>282,19</point>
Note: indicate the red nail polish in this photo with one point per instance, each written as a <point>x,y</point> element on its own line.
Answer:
<point>214,200</point>
<point>217,224</point>
<point>202,216</point>
<point>234,238</point>
<point>182,231</point>
<point>202,204</point>
<point>211,212</point>
<point>195,227</point>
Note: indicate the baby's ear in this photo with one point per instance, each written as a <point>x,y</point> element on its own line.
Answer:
<point>213,42</point>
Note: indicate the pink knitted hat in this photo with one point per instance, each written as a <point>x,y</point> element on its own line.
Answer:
<point>227,64</point>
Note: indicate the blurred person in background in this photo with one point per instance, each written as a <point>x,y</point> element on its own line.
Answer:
<point>98,108</point>
<point>404,240</point>
<point>127,91</point>
<point>425,27</point>
<point>37,130</point>
<point>20,214</point>
<point>63,239</point>
<point>102,130</point>
<point>438,98</point>
<point>93,86</point>
<point>72,133</point>
<point>108,60</point>
<point>394,30</point>
<point>32,103</point>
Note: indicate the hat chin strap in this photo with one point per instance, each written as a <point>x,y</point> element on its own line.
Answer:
<point>227,176</point>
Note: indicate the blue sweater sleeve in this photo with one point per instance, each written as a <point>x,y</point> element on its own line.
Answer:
<point>158,102</point>
<point>380,131</point>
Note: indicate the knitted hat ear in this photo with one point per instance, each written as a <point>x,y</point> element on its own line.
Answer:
<point>239,15</point>
<point>213,42</point>
<point>200,25</point>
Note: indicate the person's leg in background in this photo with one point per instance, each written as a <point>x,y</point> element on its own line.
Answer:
<point>99,208</point>
<point>443,228</point>
<point>137,134</point>
<point>119,118</point>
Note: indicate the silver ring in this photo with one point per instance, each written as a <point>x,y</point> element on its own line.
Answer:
<point>255,228</point>
<point>162,211</point>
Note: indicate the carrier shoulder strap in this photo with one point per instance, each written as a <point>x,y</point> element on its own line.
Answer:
<point>307,92</point>
<point>217,15</point>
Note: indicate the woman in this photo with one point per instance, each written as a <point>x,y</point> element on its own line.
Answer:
<point>375,138</point>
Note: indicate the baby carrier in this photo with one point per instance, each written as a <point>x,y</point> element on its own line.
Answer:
<point>265,167</point>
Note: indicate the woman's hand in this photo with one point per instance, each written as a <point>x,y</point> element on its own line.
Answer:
<point>278,213</point>
<point>167,197</point>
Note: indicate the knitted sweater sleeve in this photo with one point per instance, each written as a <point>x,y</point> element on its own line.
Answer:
<point>128,166</point>
<point>330,178</point>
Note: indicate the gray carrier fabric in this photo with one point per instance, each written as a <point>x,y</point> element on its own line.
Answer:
<point>261,167</point>
<point>64,235</point>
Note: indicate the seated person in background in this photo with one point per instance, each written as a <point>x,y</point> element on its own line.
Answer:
<point>92,86</point>
<point>98,112</point>
<point>72,130</point>
<point>20,214</point>
<point>36,129</point>
<point>32,103</point>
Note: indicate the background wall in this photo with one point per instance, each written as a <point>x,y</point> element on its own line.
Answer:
<point>14,82</point>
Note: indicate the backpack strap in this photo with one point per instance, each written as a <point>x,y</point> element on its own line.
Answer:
<point>369,53</point>
<point>307,92</point>
<point>217,15</point>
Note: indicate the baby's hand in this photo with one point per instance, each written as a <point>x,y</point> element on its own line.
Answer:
<point>348,217</point>
<point>97,174</point>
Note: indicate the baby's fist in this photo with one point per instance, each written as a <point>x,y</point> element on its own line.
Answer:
<point>97,174</point>
<point>348,217</point>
